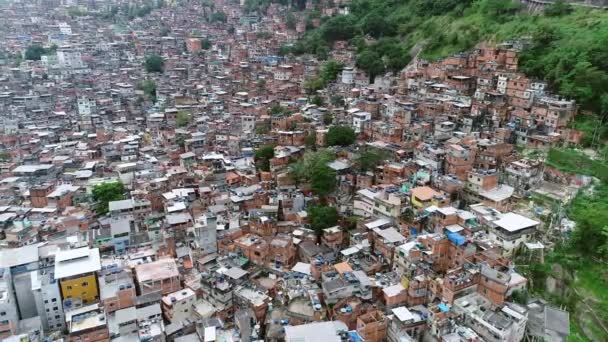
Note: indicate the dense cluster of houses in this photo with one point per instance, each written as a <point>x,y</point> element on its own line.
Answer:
<point>206,246</point>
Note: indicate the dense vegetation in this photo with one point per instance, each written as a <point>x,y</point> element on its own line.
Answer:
<point>340,136</point>
<point>263,156</point>
<point>313,169</point>
<point>154,63</point>
<point>105,193</point>
<point>573,161</point>
<point>149,89</point>
<point>182,119</point>
<point>329,72</point>
<point>35,51</point>
<point>568,45</point>
<point>322,217</point>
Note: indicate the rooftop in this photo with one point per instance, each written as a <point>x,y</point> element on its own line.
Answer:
<point>157,270</point>
<point>76,261</point>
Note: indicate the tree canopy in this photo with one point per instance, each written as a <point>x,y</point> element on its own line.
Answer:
<point>263,156</point>
<point>107,192</point>
<point>35,51</point>
<point>154,63</point>
<point>149,88</point>
<point>369,158</point>
<point>340,136</point>
<point>322,217</point>
<point>568,47</point>
<point>219,16</point>
<point>182,119</point>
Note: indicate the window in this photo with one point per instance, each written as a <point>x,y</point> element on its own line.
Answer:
<point>69,288</point>
<point>55,308</point>
<point>57,316</point>
<point>85,284</point>
<point>46,301</point>
<point>54,300</point>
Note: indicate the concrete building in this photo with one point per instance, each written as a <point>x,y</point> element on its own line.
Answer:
<point>76,271</point>
<point>88,323</point>
<point>161,275</point>
<point>179,305</point>
<point>492,323</point>
<point>315,332</point>
<point>337,286</point>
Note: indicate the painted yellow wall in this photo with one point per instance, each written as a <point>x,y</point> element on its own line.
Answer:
<point>76,288</point>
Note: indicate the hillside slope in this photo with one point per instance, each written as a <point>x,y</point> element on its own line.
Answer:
<point>568,47</point>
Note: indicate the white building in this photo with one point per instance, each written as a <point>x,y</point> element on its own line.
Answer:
<point>507,323</point>
<point>205,230</point>
<point>348,75</point>
<point>511,230</point>
<point>360,119</point>
<point>9,315</point>
<point>283,73</point>
<point>316,332</point>
<point>69,58</point>
<point>178,306</point>
<point>48,300</point>
<point>86,106</point>
<point>65,29</point>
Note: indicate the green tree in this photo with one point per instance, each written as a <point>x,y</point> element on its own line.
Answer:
<point>263,128</point>
<point>261,84</point>
<point>219,17</point>
<point>340,136</point>
<point>328,118</point>
<point>290,21</point>
<point>107,192</point>
<point>312,85</point>
<point>301,171</point>
<point>311,140</point>
<point>339,28</point>
<point>520,297</point>
<point>263,156</point>
<point>34,52</point>
<point>370,158</point>
<point>165,31</point>
<point>558,8</point>
<point>323,180</point>
<point>206,44</point>
<point>149,88</point>
<point>317,100</point>
<point>408,215</point>
<point>277,110</point>
<point>337,100</point>
<point>154,63</point>
<point>330,70</point>
<point>322,217</point>
<point>371,62</point>
<point>182,119</point>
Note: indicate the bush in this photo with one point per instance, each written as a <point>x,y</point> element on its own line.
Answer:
<point>340,136</point>
<point>107,192</point>
<point>154,63</point>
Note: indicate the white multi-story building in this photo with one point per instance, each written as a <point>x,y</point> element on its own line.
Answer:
<point>9,315</point>
<point>86,106</point>
<point>348,75</point>
<point>65,29</point>
<point>283,73</point>
<point>506,323</point>
<point>205,230</point>
<point>48,300</point>
<point>360,119</point>
<point>178,306</point>
<point>69,58</point>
